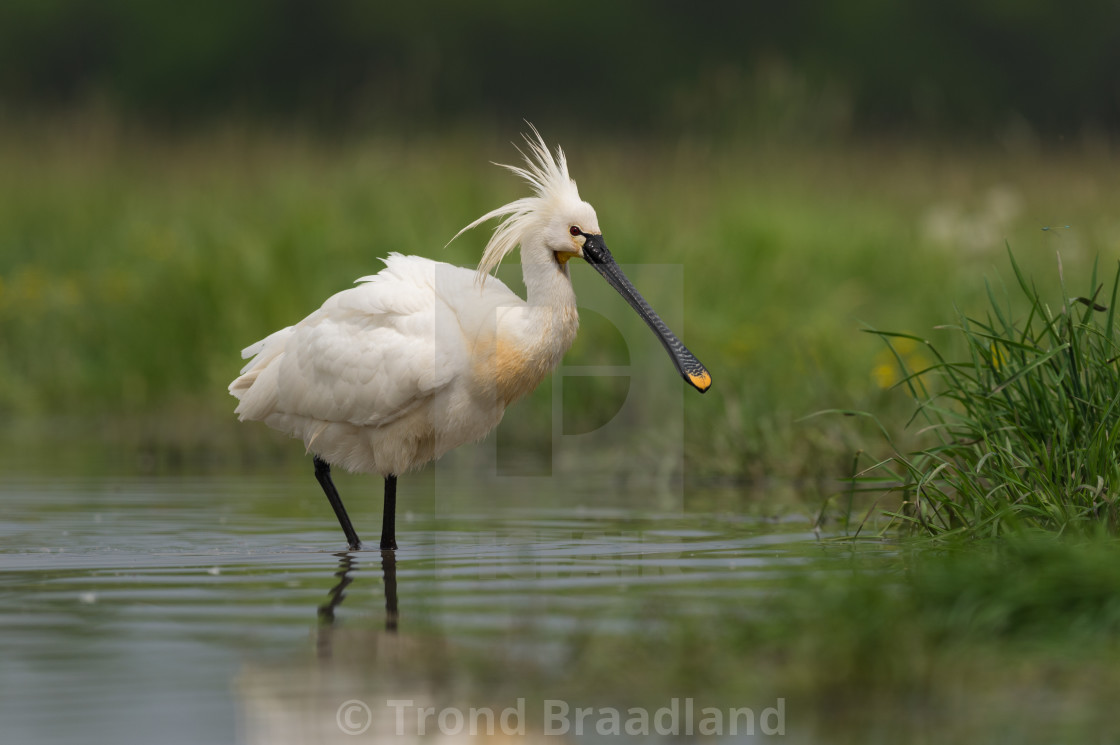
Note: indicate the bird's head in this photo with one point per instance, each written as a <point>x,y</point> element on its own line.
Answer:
<point>555,225</point>
<point>567,230</point>
<point>549,226</point>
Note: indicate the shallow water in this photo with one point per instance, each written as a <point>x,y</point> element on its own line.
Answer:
<point>222,610</point>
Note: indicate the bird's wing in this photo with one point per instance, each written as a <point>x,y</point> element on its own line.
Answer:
<point>368,356</point>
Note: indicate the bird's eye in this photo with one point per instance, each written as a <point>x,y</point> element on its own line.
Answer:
<point>574,230</point>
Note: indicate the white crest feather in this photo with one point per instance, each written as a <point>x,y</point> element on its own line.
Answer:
<point>552,186</point>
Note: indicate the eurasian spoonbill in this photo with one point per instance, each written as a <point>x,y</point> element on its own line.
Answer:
<point>424,356</point>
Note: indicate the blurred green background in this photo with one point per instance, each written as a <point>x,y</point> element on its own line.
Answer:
<point>176,181</point>
<point>624,66</point>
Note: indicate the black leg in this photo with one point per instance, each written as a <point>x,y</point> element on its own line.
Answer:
<point>323,474</point>
<point>389,515</point>
<point>389,570</point>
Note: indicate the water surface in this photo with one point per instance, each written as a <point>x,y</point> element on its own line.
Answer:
<point>222,610</point>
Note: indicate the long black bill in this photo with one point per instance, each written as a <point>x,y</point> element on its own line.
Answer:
<point>597,255</point>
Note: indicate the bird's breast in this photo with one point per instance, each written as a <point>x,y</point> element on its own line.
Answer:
<point>516,373</point>
<point>514,363</point>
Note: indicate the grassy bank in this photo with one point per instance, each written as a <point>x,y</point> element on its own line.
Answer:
<point>134,267</point>
<point>1022,426</point>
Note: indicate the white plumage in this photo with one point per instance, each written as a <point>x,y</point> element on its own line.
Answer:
<point>395,372</point>
<point>425,356</point>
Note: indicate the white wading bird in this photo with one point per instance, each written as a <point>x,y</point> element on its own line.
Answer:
<point>425,356</point>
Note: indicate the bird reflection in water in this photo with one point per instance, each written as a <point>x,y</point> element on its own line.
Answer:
<point>303,700</point>
<point>347,566</point>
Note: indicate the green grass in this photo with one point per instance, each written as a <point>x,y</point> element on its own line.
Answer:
<point>135,266</point>
<point>1024,424</point>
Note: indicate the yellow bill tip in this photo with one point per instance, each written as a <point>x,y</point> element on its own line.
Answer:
<point>702,381</point>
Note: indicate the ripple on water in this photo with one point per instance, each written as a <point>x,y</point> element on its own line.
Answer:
<point>146,602</point>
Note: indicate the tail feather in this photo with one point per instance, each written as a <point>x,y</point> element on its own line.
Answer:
<point>256,387</point>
